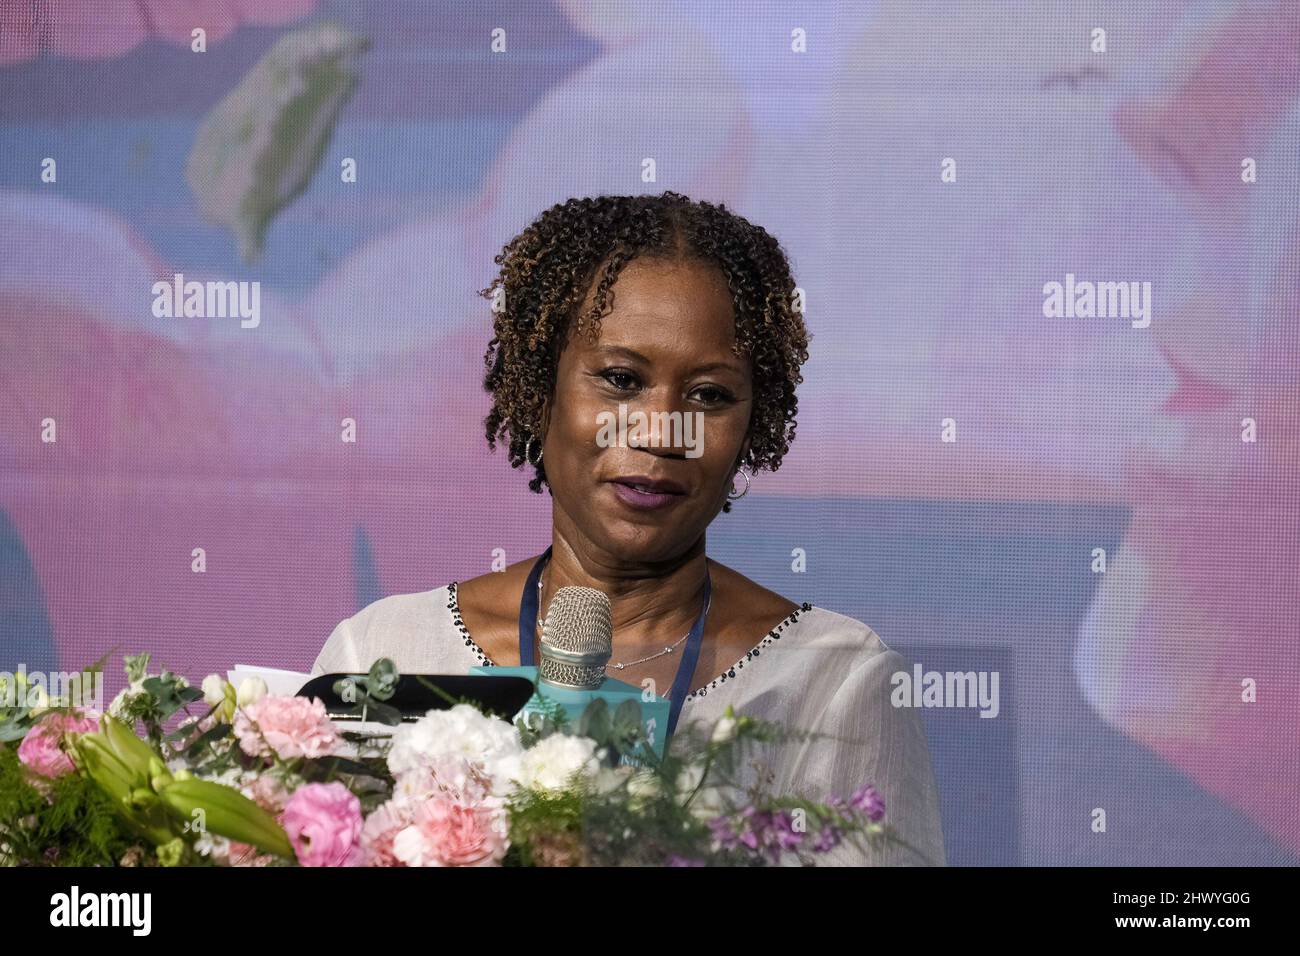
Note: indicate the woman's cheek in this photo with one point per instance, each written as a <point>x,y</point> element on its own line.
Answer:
<point>583,425</point>
<point>722,440</point>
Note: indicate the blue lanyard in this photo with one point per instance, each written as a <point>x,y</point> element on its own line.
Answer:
<point>528,607</point>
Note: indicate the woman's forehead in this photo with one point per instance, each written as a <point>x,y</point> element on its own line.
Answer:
<point>652,279</point>
<point>662,331</point>
<point>651,299</point>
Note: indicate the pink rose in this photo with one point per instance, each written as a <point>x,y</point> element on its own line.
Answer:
<point>41,750</point>
<point>323,822</point>
<point>290,726</point>
<point>446,833</point>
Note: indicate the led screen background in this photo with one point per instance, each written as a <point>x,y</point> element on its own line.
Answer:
<point>1169,447</point>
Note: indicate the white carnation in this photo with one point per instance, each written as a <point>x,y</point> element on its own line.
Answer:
<point>489,746</point>
<point>552,762</point>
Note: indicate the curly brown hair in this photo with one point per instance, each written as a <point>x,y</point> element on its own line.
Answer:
<point>547,270</point>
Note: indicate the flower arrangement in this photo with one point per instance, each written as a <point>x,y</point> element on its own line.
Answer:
<point>246,778</point>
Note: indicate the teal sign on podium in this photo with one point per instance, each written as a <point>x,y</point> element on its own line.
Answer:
<point>654,713</point>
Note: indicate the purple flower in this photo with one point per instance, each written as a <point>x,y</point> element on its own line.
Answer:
<point>827,840</point>
<point>868,799</point>
<point>757,823</point>
<point>786,837</point>
<point>724,834</point>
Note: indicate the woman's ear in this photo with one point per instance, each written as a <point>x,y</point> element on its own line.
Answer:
<point>546,420</point>
<point>744,452</point>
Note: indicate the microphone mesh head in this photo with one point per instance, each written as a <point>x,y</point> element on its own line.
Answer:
<point>577,638</point>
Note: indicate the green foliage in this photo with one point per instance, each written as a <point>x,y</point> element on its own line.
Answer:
<point>367,693</point>
<point>541,821</point>
<point>23,704</point>
<point>621,734</point>
<point>649,825</point>
<point>158,699</point>
<point>545,716</point>
<point>77,825</point>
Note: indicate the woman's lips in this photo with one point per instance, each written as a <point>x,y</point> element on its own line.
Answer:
<point>644,500</point>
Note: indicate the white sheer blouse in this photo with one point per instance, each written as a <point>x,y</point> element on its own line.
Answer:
<point>816,671</point>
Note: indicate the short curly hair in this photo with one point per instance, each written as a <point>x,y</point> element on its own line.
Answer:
<point>547,270</point>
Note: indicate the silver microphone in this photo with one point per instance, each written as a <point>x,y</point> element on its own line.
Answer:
<point>577,639</point>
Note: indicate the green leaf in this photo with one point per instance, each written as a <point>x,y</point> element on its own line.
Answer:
<point>228,813</point>
<point>627,719</point>
<point>382,679</point>
<point>126,746</point>
<point>11,730</point>
<point>595,722</point>
<point>259,148</point>
<point>211,735</point>
<point>136,666</point>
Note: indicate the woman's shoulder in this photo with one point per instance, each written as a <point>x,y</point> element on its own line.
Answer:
<point>399,612</point>
<point>417,630</point>
<point>778,641</point>
<point>854,635</point>
<point>823,645</point>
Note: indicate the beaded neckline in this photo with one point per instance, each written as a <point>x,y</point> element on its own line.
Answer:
<point>772,636</point>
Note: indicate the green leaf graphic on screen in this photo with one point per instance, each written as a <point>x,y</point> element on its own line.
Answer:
<point>260,146</point>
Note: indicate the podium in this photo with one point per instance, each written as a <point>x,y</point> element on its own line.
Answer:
<point>654,713</point>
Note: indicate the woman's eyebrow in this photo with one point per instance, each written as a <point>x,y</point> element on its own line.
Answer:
<point>621,351</point>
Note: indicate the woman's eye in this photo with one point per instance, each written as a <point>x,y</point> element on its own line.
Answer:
<point>619,379</point>
<point>711,396</point>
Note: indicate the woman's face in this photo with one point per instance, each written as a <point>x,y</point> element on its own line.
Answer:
<point>664,347</point>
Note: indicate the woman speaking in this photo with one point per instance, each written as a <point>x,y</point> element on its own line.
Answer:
<point>611,306</point>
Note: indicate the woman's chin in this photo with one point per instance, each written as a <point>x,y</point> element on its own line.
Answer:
<point>641,542</point>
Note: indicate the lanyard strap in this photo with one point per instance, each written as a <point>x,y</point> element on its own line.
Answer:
<point>528,611</point>
<point>528,608</point>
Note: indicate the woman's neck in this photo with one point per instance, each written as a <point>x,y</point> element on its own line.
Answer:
<point>651,602</point>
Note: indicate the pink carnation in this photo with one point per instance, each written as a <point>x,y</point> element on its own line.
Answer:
<point>243,854</point>
<point>291,726</point>
<point>323,822</point>
<point>268,793</point>
<point>41,749</point>
<point>446,833</point>
<point>381,828</point>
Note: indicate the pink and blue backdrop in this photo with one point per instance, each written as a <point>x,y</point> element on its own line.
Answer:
<point>1120,690</point>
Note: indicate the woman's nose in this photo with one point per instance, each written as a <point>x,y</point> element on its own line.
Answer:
<point>666,428</point>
